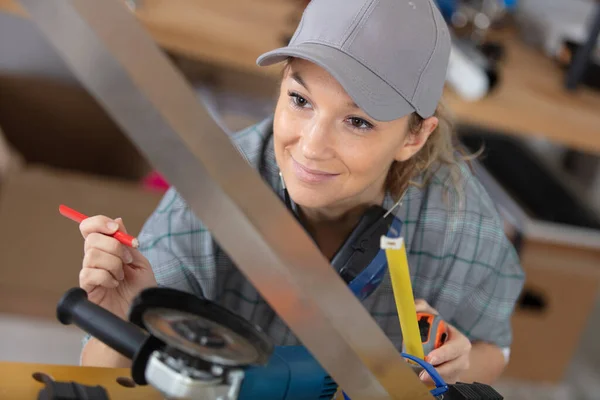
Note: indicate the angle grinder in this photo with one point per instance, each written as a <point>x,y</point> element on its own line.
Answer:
<point>191,348</point>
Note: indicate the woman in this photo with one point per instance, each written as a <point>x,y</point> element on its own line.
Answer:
<point>357,123</point>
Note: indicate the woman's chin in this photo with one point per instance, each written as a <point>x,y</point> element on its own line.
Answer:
<point>309,199</point>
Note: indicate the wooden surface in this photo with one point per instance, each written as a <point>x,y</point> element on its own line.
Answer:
<point>226,32</point>
<point>11,6</point>
<point>530,100</point>
<point>231,33</point>
<point>565,280</point>
<point>18,383</point>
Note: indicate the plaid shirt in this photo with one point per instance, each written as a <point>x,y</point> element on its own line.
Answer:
<point>461,262</point>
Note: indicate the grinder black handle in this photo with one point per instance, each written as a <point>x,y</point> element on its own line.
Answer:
<point>122,336</point>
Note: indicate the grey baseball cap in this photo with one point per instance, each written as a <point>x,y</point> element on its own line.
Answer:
<point>390,56</point>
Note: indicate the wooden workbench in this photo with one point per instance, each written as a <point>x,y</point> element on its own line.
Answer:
<point>531,99</point>
<point>18,382</point>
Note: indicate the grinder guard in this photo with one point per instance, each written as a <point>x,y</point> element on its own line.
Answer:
<point>190,347</point>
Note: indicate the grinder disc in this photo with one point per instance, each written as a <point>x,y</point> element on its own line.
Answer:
<point>200,328</point>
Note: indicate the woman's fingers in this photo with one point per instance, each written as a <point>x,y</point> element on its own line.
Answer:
<point>456,346</point>
<point>109,245</point>
<point>90,278</point>
<point>99,224</point>
<point>424,307</point>
<point>449,371</point>
<point>451,359</point>
<point>121,224</point>
<point>98,259</point>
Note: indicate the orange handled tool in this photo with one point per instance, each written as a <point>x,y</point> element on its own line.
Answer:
<point>434,331</point>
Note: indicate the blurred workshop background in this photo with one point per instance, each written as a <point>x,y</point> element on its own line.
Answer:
<point>524,80</point>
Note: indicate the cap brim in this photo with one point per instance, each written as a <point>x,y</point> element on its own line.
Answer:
<point>371,93</point>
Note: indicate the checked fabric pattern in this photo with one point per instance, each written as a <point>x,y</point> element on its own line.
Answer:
<point>461,262</point>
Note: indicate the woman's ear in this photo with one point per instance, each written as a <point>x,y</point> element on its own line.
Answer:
<point>414,141</point>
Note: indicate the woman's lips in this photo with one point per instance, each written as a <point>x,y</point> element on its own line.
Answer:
<point>310,175</point>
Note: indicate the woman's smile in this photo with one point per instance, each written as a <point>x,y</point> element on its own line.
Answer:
<point>309,175</point>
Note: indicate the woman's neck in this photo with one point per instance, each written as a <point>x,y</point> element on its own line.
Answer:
<point>329,227</point>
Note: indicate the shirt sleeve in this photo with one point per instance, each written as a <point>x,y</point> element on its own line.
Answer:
<point>177,245</point>
<point>493,277</point>
<point>486,310</point>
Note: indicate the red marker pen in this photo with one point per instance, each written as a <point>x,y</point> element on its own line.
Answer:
<point>76,216</point>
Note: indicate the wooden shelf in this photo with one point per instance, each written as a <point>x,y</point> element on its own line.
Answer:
<point>531,100</point>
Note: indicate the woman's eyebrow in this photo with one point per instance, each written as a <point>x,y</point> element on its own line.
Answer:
<point>296,76</point>
<point>352,104</point>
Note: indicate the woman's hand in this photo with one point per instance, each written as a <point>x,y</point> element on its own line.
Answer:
<point>112,274</point>
<point>452,358</point>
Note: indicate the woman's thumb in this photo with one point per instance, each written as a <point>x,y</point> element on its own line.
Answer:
<point>138,257</point>
<point>121,224</point>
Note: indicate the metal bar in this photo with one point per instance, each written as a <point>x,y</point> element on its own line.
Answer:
<point>119,63</point>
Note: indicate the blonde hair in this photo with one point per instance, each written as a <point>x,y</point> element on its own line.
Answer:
<point>438,151</point>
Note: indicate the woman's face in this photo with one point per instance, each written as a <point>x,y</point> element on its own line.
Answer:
<point>331,154</point>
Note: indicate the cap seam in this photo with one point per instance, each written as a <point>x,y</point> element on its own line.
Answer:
<point>352,27</point>
<point>362,18</point>
<point>321,42</point>
<point>366,65</point>
<point>435,45</point>
<point>299,30</point>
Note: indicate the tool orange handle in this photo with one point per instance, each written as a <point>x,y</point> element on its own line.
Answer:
<point>434,331</point>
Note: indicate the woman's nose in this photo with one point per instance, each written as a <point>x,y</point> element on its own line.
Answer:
<point>316,142</point>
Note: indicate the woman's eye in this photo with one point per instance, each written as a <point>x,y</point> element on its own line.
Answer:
<point>299,101</point>
<point>360,123</point>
